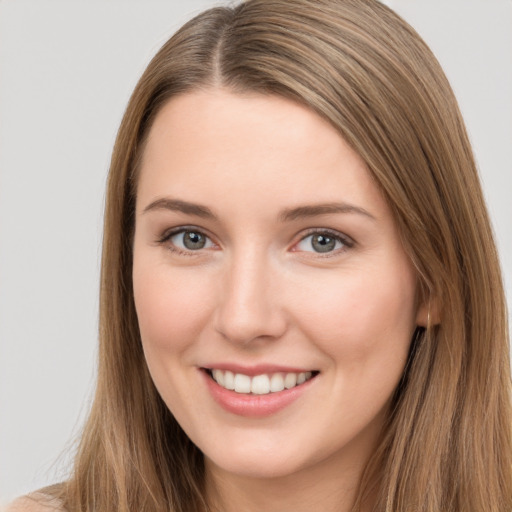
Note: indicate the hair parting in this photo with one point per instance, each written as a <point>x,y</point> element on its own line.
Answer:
<point>447,442</point>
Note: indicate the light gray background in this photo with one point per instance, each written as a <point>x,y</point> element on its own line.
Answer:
<point>67,69</point>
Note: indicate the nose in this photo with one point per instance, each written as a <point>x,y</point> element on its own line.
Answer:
<point>249,308</point>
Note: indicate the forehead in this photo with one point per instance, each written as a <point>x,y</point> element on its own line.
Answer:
<point>206,145</point>
<point>218,116</point>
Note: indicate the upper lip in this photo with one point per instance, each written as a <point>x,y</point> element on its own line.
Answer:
<point>258,369</point>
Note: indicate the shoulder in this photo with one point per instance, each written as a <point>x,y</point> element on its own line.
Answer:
<point>34,502</point>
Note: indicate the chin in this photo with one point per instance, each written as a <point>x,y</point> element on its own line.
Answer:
<point>254,467</point>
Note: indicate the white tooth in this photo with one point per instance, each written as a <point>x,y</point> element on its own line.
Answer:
<point>290,380</point>
<point>242,383</point>
<point>301,378</point>
<point>229,380</point>
<point>277,382</point>
<point>218,376</point>
<point>309,375</point>
<point>260,385</point>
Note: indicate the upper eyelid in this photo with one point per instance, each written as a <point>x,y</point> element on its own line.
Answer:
<point>164,240</point>
<point>168,233</point>
<point>333,232</point>
<point>347,240</point>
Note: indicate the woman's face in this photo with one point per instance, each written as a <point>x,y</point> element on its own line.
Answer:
<point>264,254</point>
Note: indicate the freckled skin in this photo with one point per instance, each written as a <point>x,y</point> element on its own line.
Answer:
<point>259,293</point>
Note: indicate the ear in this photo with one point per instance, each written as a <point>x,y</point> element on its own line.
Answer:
<point>429,313</point>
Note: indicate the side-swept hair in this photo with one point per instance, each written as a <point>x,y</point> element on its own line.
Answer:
<point>447,441</point>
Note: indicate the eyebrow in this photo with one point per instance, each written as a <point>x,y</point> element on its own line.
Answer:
<point>322,209</point>
<point>180,206</point>
<point>287,215</point>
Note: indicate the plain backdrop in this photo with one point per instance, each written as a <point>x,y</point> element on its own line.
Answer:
<point>67,69</point>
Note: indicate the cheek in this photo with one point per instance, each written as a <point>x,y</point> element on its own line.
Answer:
<point>362,317</point>
<point>170,310</point>
<point>170,306</point>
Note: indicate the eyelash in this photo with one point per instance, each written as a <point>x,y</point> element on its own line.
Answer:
<point>346,241</point>
<point>166,237</point>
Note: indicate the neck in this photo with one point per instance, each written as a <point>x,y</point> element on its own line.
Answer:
<point>325,488</point>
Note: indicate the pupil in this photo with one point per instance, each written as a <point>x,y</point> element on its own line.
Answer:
<point>322,243</point>
<point>193,240</point>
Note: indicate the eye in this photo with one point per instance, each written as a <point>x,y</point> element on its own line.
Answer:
<point>186,240</point>
<point>323,242</point>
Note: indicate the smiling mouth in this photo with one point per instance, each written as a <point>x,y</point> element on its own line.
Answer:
<point>263,384</point>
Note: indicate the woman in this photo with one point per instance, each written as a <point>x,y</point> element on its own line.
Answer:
<point>301,299</point>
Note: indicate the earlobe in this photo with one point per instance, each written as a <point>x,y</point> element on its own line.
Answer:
<point>428,314</point>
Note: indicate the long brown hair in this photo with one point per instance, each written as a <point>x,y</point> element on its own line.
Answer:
<point>447,442</point>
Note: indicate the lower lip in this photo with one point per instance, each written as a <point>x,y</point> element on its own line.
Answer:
<point>243,404</point>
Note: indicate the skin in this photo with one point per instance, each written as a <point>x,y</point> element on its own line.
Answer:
<point>259,293</point>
